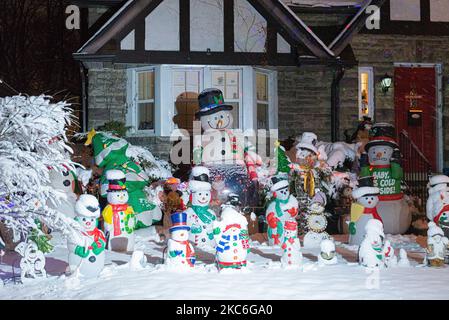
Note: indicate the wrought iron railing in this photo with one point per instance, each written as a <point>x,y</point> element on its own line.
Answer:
<point>417,168</point>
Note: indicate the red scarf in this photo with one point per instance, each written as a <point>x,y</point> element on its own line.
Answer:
<point>373,212</point>
<point>116,208</point>
<point>97,234</point>
<point>189,253</point>
<point>437,218</point>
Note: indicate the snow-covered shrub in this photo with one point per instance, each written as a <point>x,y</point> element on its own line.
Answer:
<point>32,141</point>
<point>156,169</point>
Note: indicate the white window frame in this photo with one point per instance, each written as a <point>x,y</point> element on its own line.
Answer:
<point>164,100</point>
<point>132,101</point>
<point>371,85</point>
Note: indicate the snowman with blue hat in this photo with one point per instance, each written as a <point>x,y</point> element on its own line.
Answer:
<point>180,252</point>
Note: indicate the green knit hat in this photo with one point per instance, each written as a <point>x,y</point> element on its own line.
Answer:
<point>109,150</point>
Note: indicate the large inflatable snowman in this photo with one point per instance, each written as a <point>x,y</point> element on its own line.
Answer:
<point>230,159</point>
<point>119,218</point>
<point>87,259</point>
<point>231,236</point>
<point>199,216</point>
<point>363,210</point>
<point>383,162</point>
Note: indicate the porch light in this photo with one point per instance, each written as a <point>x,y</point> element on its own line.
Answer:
<point>386,83</point>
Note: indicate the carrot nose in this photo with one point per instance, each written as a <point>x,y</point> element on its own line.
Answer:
<point>379,154</point>
<point>219,123</point>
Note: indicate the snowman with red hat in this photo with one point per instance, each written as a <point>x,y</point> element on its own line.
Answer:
<point>438,202</point>
<point>283,208</point>
<point>119,217</point>
<point>199,216</point>
<point>292,256</point>
<point>232,239</point>
<point>382,160</point>
<point>224,150</point>
<point>87,258</point>
<point>180,252</point>
<point>363,210</point>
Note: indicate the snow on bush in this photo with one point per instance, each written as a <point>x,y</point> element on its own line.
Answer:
<point>33,141</point>
<point>156,169</point>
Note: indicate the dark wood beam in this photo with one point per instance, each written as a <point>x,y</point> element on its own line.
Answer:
<point>228,17</point>
<point>184,25</point>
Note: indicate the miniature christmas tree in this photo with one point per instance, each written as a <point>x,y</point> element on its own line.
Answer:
<point>283,163</point>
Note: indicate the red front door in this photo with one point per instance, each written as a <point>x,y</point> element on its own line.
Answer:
<point>415,107</point>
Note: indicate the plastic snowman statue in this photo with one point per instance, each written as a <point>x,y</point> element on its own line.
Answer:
<point>438,201</point>
<point>65,183</point>
<point>316,224</point>
<point>32,263</point>
<point>231,237</point>
<point>230,157</point>
<point>371,251</point>
<point>291,256</point>
<point>363,210</point>
<point>283,208</point>
<point>111,154</point>
<point>328,253</point>
<point>437,246</point>
<point>180,252</point>
<point>382,161</point>
<point>390,258</point>
<point>119,218</point>
<point>199,216</point>
<point>87,259</point>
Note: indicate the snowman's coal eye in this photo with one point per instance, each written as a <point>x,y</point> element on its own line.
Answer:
<point>84,219</point>
<point>65,173</point>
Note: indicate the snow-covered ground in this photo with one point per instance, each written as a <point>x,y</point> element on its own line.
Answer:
<point>263,279</point>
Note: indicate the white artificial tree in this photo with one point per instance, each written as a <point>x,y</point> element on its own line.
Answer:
<point>33,141</point>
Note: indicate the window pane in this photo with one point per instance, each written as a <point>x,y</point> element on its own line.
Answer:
<point>439,10</point>
<point>262,116</point>
<point>366,90</point>
<point>146,85</point>
<point>228,83</point>
<point>146,116</point>
<point>405,10</point>
<point>235,114</point>
<point>262,86</point>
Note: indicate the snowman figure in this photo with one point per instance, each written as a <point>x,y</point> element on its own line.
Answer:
<point>328,253</point>
<point>65,183</point>
<point>390,258</point>
<point>383,161</point>
<point>224,150</point>
<point>87,258</point>
<point>119,218</point>
<point>316,224</point>
<point>232,239</point>
<point>32,264</point>
<point>181,253</point>
<point>371,251</point>
<point>199,216</point>
<point>283,208</point>
<point>438,201</point>
<point>292,256</point>
<point>363,210</point>
<point>437,245</point>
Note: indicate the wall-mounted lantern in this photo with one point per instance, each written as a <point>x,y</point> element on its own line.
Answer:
<point>386,83</point>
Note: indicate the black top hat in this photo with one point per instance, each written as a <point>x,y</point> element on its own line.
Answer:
<point>366,181</point>
<point>211,101</point>
<point>382,134</point>
<point>202,177</point>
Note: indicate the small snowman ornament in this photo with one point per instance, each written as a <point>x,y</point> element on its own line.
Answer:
<point>180,252</point>
<point>390,258</point>
<point>316,224</point>
<point>283,208</point>
<point>199,215</point>
<point>87,258</point>
<point>442,219</point>
<point>119,217</point>
<point>371,251</point>
<point>292,256</point>
<point>363,210</point>
<point>32,263</point>
<point>437,246</point>
<point>328,253</point>
<point>231,237</point>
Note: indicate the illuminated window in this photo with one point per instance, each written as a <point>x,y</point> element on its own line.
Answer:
<point>366,92</point>
<point>186,87</point>
<point>145,100</point>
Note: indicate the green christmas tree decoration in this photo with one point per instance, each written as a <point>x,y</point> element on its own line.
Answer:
<point>283,163</point>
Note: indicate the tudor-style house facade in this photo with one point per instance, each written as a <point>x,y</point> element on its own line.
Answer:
<point>291,65</point>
